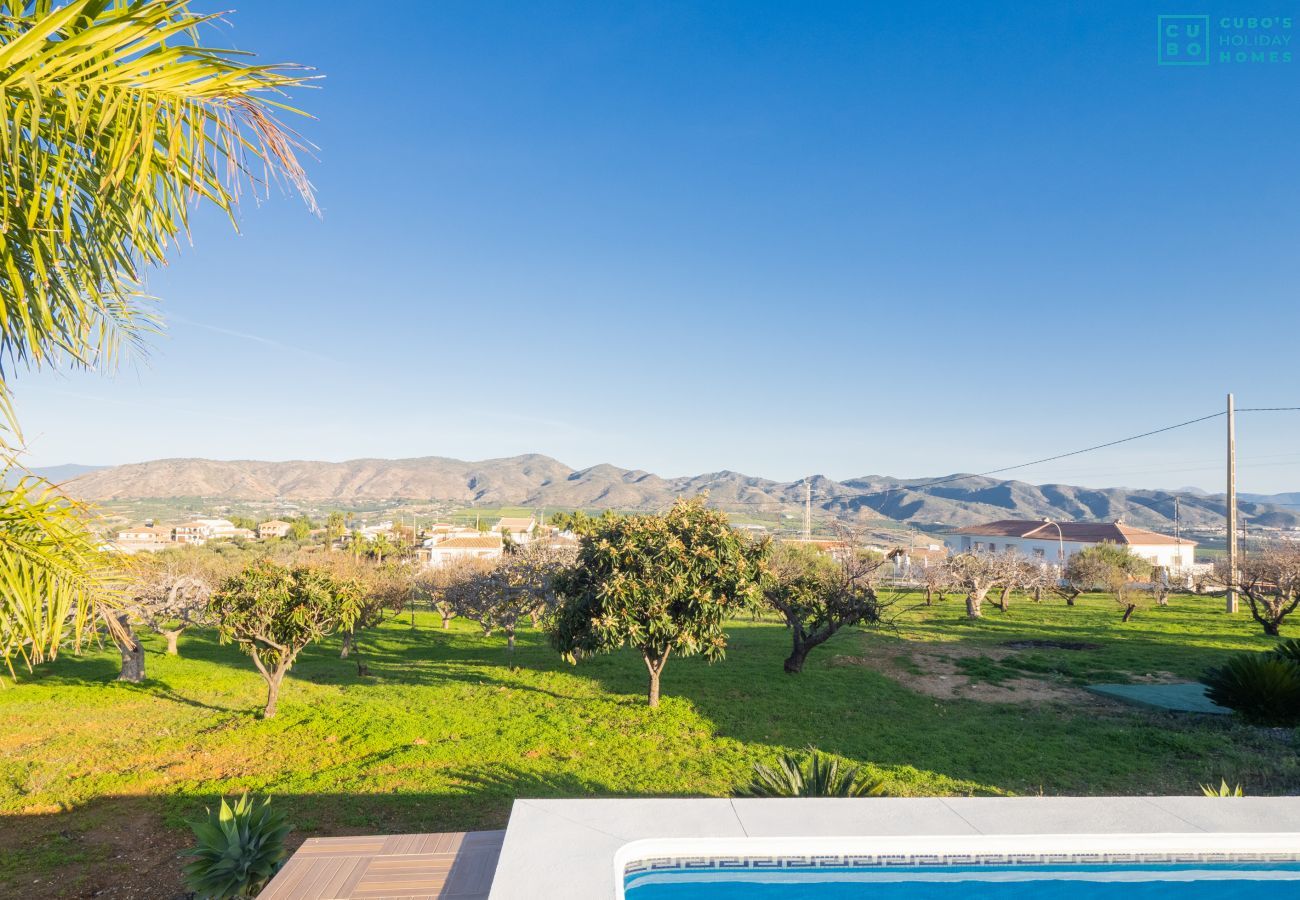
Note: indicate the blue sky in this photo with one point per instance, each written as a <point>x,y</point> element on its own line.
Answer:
<point>905,238</point>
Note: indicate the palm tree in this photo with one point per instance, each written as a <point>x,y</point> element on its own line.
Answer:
<point>116,121</point>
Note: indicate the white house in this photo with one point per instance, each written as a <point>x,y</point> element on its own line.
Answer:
<point>519,528</point>
<point>276,528</point>
<point>480,546</point>
<point>220,528</point>
<point>1055,542</point>
<point>196,532</point>
<point>144,537</point>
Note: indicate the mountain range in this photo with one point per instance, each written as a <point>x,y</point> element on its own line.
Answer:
<point>540,481</point>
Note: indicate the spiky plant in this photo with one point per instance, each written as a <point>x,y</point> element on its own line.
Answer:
<point>1288,649</point>
<point>1223,790</point>
<point>239,849</point>
<point>811,774</point>
<point>1263,688</point>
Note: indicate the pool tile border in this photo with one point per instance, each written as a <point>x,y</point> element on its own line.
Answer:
<point>868,861</point>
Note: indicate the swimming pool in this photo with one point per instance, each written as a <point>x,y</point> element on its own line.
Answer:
<point>1152,868</point>
<point>1192,881</point>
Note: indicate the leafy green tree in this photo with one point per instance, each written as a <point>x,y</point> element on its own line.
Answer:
<point>381,546</point>
<point>300,528</point>
<point>334,528</point>
<point>116,121</point>
<point>1112,568</point>
<point>659,583</point>
<point>272,612</point>
<point>817,594</point>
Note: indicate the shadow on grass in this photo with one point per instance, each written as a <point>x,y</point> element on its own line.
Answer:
<point>136,845</point>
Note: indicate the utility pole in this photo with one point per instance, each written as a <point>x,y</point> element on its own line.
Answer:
<point>1178,535</point>
<point>1232,507</point>
<point>807,509</point>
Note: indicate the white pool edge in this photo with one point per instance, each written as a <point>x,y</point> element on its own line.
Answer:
<point>1193,842</point>
<point>579,848</point>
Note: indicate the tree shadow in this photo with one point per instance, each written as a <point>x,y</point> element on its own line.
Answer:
<point>136,845</point>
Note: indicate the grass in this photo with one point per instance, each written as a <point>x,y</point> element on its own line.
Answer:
<point>99,777</point>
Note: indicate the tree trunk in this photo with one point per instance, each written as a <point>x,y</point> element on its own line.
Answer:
<point>132,656</point>
<point>273,691</point>
<point>975,600</point>
<point>349,642</point>
<point>1004,598</point>
<point>654,667</point>
<point>172,637</point>
<point>794,662</point>
<point>1128,612</point>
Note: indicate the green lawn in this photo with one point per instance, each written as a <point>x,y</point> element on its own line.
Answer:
<point>97,778</point>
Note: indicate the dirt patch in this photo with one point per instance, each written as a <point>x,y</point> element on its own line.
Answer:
<point>120,849</point>
<point>933,670</point>
<point>1050,645</point>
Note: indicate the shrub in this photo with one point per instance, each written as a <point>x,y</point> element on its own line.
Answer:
<point>239,849</point>
<point>1288,649</point>
<point>1263,688</point>
<point>815,774</point>
<point>1223,790</point>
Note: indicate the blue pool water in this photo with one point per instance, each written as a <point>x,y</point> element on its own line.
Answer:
<point>1111,881</point>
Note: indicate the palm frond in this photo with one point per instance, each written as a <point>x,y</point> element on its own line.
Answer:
<point>54,583</point>
<point>114,122</point>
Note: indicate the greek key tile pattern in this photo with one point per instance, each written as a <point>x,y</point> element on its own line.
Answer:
<point>759,863</point>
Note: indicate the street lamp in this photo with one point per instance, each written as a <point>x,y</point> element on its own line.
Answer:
<point>1060,543</point>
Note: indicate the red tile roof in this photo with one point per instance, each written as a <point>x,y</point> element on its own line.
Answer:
<point>1082,532</point>
<point>469,543</point>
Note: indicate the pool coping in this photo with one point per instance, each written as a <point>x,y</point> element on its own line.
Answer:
<point>578,848</point>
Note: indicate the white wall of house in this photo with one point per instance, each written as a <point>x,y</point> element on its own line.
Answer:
<point>1173,556</point>
<point>441,556</point>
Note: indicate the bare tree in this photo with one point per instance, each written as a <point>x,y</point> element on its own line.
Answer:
<point>936,580</point>
<point>520,585</point>
<point>1269,579</point>
<point>978,573</point>
<point>165,594</point>
<point>1038,577</point>
<point>1161,587</point>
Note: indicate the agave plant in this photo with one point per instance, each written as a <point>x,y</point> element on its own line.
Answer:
<point>239,849</point>
<point>1222,790</point>
<point>811,774</point>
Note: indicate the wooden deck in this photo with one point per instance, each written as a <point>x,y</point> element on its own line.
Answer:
<point>455,866</point>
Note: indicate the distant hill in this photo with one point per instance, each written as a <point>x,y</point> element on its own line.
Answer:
<point>57,474</point>
<point>536,480</point>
